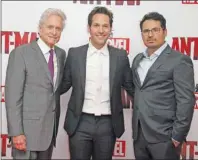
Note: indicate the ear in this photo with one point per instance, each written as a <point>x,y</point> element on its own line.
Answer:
<point>111,30</point>
<point>39,28</point>
<point>165,32</point>
<point>88,28</point>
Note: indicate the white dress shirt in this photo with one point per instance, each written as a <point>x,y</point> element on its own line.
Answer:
<point>45,50</point>
<point>97,94</point>
<point>148,61</point>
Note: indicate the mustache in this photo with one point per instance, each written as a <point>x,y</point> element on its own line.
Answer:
<point>149,39</point>
<point>53,37</point>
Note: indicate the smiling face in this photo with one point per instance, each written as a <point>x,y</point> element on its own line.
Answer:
<point>99,30</point>
<point>153,35</point>
<point>50,30</point>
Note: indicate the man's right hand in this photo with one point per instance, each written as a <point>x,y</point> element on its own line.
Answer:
<point>19,142</point>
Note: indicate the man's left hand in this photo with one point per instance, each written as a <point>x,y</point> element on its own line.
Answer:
<point>176,143</point>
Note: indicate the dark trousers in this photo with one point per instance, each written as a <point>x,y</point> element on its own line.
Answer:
<point>144,150</point>
<point>94,137</point>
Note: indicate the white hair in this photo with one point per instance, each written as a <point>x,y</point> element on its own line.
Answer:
<point>52,11</point>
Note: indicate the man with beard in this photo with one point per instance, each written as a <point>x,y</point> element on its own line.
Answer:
<point>164,94</point>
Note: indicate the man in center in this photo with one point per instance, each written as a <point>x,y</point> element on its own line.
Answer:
<point>96,72</point>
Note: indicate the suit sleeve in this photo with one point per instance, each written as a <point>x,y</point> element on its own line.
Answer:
<point>183,77</point>
<point>14,88</point>
<point>64,56</point>
<point>67,79</point>
<point>128,79</point>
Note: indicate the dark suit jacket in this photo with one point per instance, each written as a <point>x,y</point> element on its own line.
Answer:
<point>164,104</point>
<point>74,76</point>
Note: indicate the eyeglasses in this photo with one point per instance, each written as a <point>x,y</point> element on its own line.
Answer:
<point>146,32</point>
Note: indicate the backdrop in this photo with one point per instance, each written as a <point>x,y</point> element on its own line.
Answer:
<point>20,23</point>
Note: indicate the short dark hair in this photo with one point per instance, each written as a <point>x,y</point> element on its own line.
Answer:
<point>154,16</point>
<point>100,10</point>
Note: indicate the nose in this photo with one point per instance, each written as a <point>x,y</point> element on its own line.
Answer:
<point>101,29</point>
<point>150,33</point>
<point>54,31</point>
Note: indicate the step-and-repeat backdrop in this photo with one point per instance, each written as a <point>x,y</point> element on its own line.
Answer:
<point>20,24</point>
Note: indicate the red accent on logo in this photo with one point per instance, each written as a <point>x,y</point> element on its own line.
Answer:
<point>189,1</point>
<point>108,2</point>
<point>2,93</point>
<point>122,43</point>
<point>4,144</point>
<point>126,99</point>
<point>188,147</point>
<point>120,149</point>
<point>12,39</point>
<point>186,45</point>
<point>196,100</point>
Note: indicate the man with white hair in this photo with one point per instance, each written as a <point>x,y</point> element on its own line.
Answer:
<point>32,90</point>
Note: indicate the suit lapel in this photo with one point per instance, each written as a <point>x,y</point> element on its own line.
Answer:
<point>112,65</point>
<point>82,65</point>
<point>159,61</point>
<point>136,63</point>
<point>58,58</point>
<point>41,59</point>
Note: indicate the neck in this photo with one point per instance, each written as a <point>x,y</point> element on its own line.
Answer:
<point>49,45</point>
<point>98,46</point>
<point>150,51</point>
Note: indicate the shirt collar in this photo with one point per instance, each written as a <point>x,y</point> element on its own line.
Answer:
<point>44,48</point>
<point>157,52</point>
<point>92,50</point>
